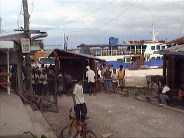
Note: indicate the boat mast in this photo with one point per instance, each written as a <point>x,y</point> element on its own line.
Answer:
<point>154,35</point>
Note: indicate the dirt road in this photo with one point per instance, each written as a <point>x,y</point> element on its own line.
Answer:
<point>121,116</point>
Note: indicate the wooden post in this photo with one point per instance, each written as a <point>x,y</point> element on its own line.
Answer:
<point>27,56</point>
<point>164,67</point>
<point>8,71</point>
<point>19,72</point>
<point>56,76</point>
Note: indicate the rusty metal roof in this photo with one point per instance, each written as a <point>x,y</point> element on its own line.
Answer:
<point>178,41</point>
<point>174,50</point>
<point>67,53</point>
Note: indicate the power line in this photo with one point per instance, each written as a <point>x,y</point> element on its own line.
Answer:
<point>108,4</point>
<point>115,17</point>
<point>99,8</point>
<point>18,18</point>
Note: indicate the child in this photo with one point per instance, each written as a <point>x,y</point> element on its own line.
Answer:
<point>79,102</point>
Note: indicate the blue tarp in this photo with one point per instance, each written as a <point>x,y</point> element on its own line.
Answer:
<point>150,63</point>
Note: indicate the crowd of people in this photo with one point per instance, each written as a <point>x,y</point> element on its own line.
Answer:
<point>110,77</point>
<point>44,78</point>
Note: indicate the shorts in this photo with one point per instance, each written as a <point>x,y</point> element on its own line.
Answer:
<point>107,83</point>
<point>91,85</point>
<point>68,86</point>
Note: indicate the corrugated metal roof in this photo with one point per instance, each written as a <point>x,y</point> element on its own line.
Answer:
<point>63,52</point>
<point>175,50</point>
<point>178,41</point>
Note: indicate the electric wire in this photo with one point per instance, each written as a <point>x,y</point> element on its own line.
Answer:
<point>114,18</point>
<point>91,13</point>
<point>18,18</point>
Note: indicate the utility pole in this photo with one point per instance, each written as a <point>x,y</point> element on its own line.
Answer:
<point>27,55</point>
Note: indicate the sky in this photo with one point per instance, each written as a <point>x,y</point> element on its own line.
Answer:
<point>94,21</point>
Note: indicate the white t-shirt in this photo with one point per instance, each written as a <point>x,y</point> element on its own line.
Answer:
<point>114,76</point>
<point>90,74</point>
<point>44,77</point>
<point>39,78</point>
<point>78,92</point>
<point>165,89</point>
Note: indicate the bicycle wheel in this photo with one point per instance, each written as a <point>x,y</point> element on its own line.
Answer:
<point>68,132</point>
<point>90,134</point>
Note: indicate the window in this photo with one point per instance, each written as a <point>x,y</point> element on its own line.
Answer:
<point>152,47</point>
<point>128,59</point>
<point>158,47</point>
<point>163,47</point>
<point>153,58</point>
<point>158,58</point>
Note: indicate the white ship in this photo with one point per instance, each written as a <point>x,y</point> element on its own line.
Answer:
<point>137,53</point>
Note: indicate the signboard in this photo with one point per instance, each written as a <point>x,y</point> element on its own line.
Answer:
<point>25,44</point>
<point>35,45</point>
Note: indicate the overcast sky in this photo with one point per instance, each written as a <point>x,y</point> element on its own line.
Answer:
<point>94,21</point>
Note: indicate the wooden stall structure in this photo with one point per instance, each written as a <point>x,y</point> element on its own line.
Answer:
<point>73,64</point>
<point>173,66</point>
<point>5,47</point>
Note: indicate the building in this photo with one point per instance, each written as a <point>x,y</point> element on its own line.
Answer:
<point>173,66</point>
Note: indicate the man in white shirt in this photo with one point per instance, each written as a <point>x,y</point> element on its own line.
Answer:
<point>163,97</point>
<point>39,81</point>
<point>90,74</point>
<point>79,102</point>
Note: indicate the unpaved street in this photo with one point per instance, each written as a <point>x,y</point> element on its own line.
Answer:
<point>122,116</point>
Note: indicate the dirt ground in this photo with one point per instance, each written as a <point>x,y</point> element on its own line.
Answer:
<point>122,116</point>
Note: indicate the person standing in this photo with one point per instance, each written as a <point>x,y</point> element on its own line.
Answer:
<point>33,80</point>
<point>107,81</point>
<point>39,81</point>
<point>68,83</point>
<point>60,81</point>
<point>121,75</point>
<point>90,74</point>
<point>114,77</point>
<point>79,102</point>
<point>44,81</point>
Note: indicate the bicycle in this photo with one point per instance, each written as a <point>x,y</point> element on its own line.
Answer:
<point>76,129</point>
